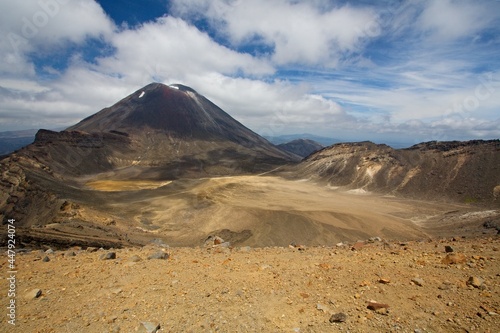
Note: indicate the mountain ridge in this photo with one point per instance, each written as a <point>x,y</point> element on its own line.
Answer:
<point>466,171</point>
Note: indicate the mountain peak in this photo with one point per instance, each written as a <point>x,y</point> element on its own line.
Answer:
<point>182,87</point>
<point>169,124</point>
<point>174,109</point>
<point>158,85</point>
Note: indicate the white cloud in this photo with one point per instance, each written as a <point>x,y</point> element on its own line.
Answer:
<point>22,85</point>
<point>43,26</point>
<point>169,48</point>
<point>268,108</point>
<point>55,21</point>
<point>299,32</point>
<point>447,20</point>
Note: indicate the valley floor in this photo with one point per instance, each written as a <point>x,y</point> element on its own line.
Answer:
<point>251,210</point>
<point>270,289</point>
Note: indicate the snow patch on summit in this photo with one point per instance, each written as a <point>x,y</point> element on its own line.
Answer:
<point>142,94</point>
<point>174,86</point>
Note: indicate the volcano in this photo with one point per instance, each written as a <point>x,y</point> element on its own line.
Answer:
<point>176,111</point>
<point>161,131</point>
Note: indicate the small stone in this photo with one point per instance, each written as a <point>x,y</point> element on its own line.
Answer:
<point>116,291</point>
<point>418,281</point>
<point>91,249</point>
<point>159,255</point>
<point>148,327</point>
<point>108,256</point>
<point>46,259</point>
<point>213,240</point>
<point>384,281</point>
<point>135,258</point>
<point>338,318</point>
<point>448,249</point>
<point>454,258</point>
<point>382,311</point>
<point>299,247</point>
<point>49,251</point>
<point>70,254</point>
<point>322,307</point>
<point>35,293</point>
<point>357,246</point>
<point>160,243</point>
<point>475,282</point>
<point>374,305</point>
<point>446,285</point>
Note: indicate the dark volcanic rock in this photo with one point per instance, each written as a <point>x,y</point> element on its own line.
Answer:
<point>338,318</point>
<point>159,255</point>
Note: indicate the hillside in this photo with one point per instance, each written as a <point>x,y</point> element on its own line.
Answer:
<point>301,147</point>
<point>467,172</point>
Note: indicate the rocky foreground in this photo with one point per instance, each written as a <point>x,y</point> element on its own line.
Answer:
<point>449,285</point>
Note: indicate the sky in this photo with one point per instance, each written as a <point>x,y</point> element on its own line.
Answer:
<point>387,71</point>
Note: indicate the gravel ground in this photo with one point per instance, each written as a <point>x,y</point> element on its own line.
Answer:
<point>275,289</point>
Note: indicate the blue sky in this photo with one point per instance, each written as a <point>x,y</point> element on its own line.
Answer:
<point>386,71</point>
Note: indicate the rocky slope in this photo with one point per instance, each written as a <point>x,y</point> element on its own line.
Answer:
<point>377,287</point>
<point>465,171</point>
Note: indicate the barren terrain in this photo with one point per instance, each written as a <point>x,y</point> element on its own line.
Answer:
<point>231,279</point>
<point>249,210</point>
<point>271,289</point>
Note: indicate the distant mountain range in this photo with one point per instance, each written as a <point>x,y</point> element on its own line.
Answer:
<point>301,147</point>
<point>14,140</point>
<point>280,139</point>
